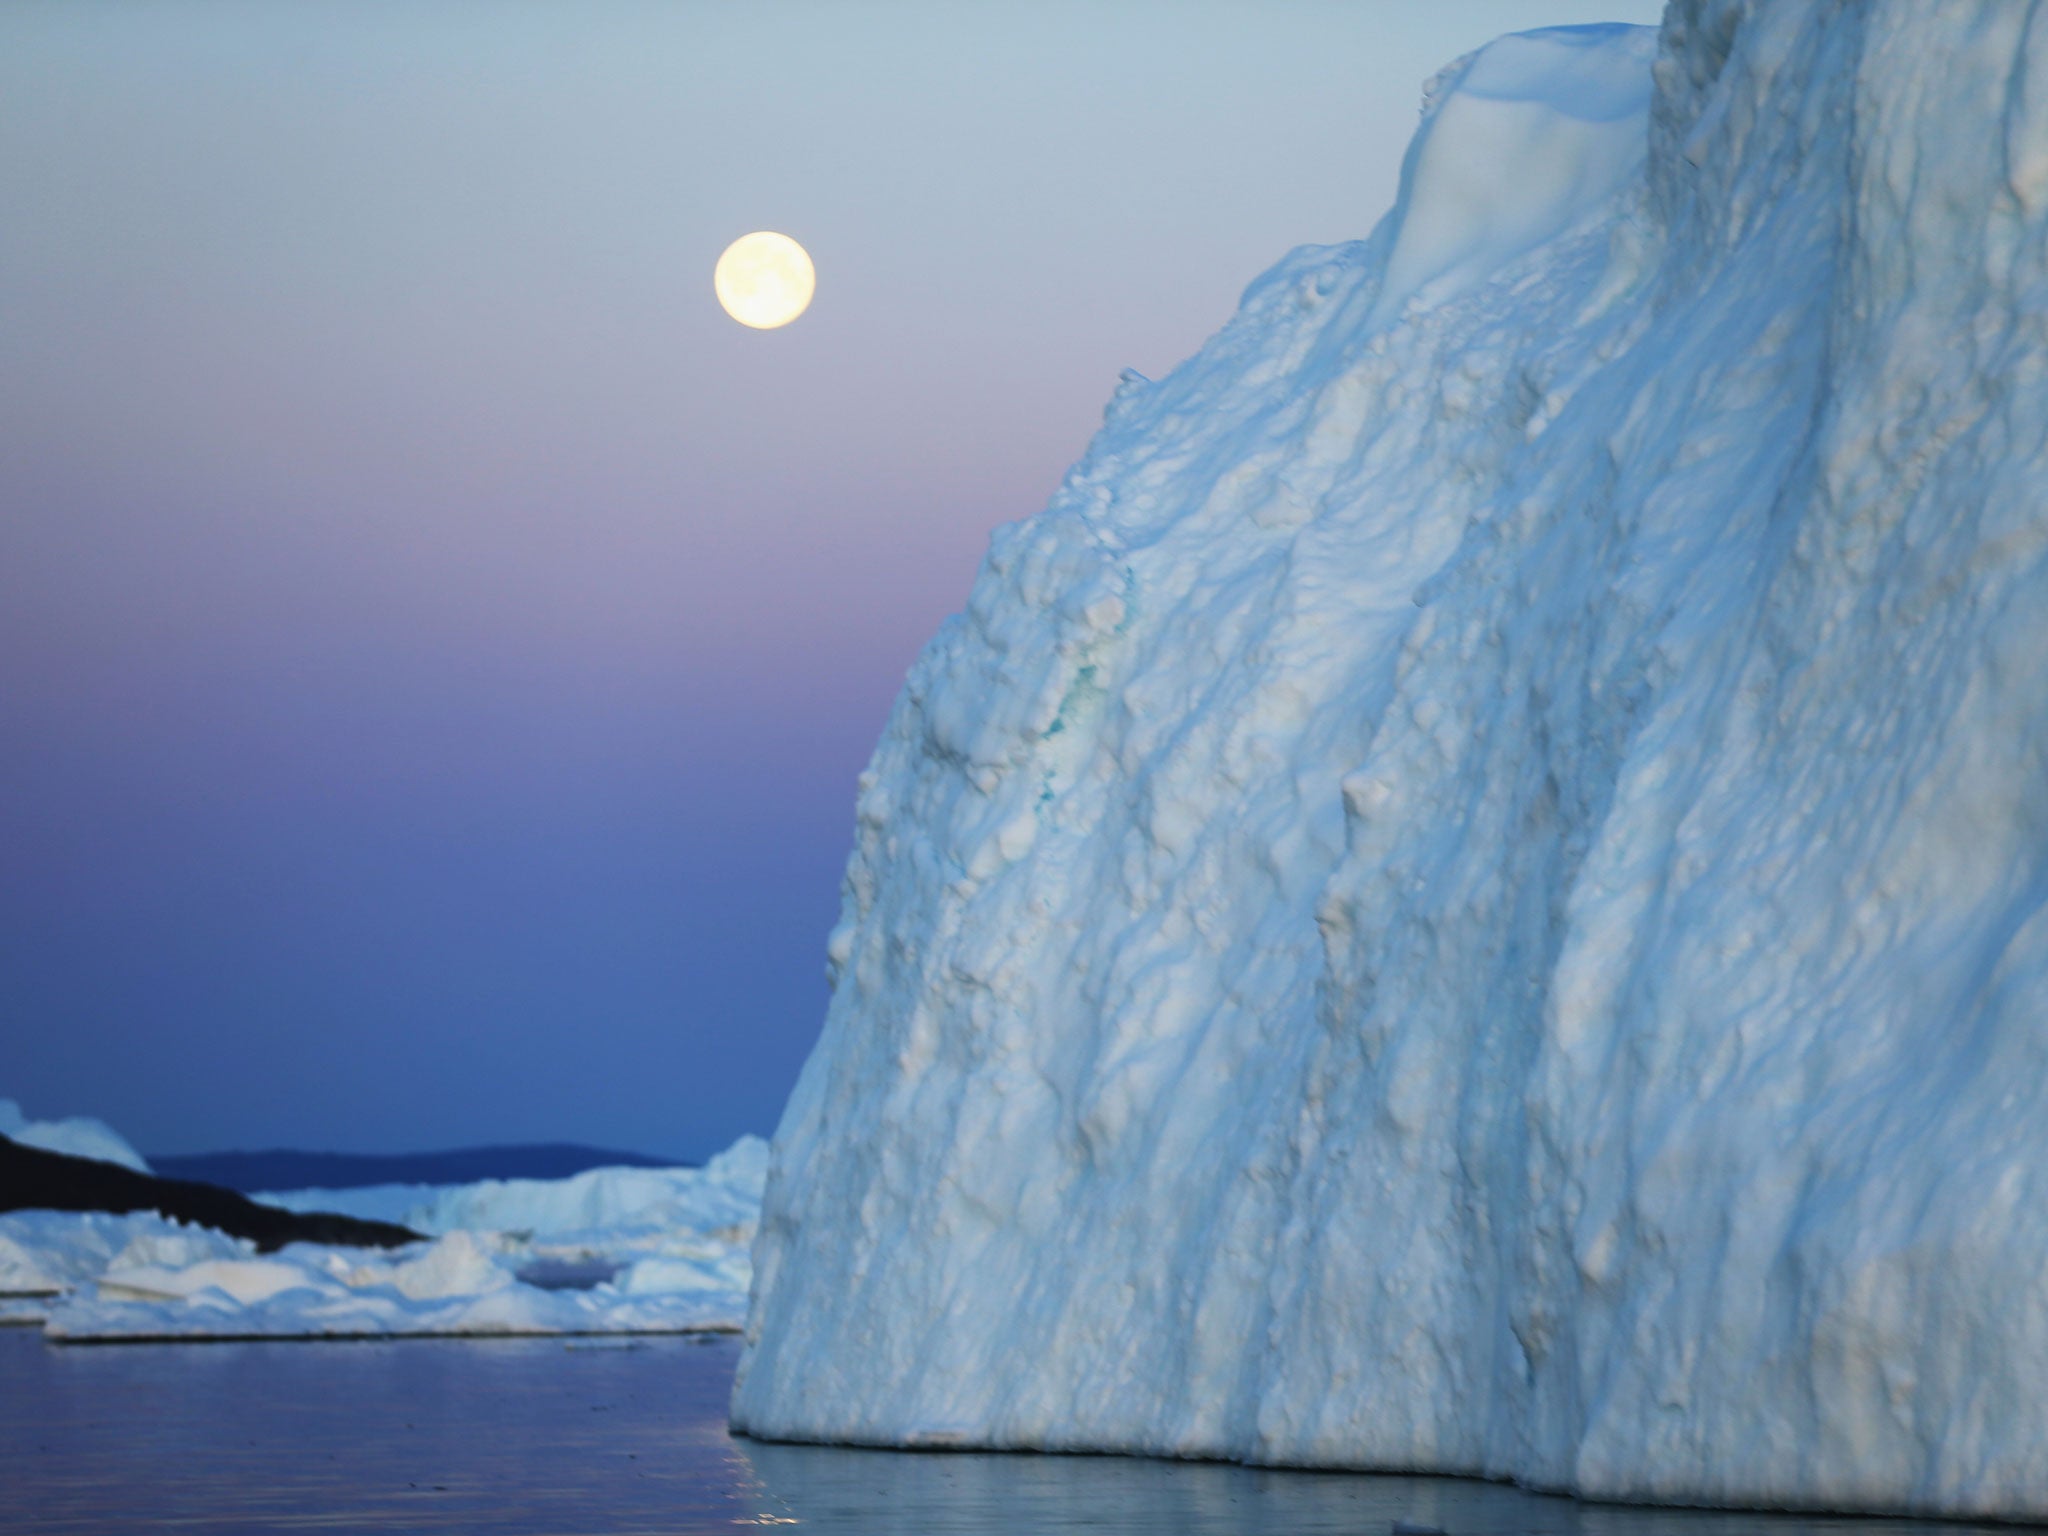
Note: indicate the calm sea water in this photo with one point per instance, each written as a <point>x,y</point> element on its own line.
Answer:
<point>535,1435</point>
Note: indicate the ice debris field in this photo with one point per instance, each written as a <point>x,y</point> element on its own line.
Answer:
<point>612,1250</point>
<point>1472,896</point>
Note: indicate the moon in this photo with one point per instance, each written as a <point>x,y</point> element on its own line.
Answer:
<point>764,280</point>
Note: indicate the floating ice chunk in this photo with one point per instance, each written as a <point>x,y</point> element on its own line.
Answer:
<point>26,1270</point>
<point>668,1274</point>
<point>244,1281</point>
<point>161,1244</point>
<point>457,1264</point>
<point>57,1250</point>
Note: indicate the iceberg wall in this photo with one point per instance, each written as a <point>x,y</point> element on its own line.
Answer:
<point>1473,894</point>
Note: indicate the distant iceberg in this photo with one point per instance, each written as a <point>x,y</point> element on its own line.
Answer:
<point>1473,894</point>
<point>613,1250</point>
<point>79,1136</point>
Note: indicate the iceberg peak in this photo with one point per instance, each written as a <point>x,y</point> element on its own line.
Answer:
<point>1520,141</point>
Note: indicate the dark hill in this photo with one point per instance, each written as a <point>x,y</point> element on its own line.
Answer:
<point>34,1180</point>
<point>347,1170</point>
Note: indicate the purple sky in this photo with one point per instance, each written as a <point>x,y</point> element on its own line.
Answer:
<point>436,645</point>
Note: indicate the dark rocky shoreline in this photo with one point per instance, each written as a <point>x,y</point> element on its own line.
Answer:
<point>32,1179</point>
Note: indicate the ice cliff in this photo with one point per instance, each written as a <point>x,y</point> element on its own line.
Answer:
<point>1470,895</point>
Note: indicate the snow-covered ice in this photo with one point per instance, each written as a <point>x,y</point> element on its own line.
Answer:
<point>725,1193</point>
<point>78,1136</point>
<point>667,1249</point>
<point>1473,894</point>
<point>1520,142</point>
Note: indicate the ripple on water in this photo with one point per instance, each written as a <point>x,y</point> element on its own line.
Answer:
<point>542,1436</point>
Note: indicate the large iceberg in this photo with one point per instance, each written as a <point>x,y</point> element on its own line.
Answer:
<point>1473,894</point>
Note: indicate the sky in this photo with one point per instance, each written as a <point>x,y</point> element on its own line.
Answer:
<point>437,646</point>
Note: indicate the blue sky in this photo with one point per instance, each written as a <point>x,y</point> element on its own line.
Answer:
<point>436,645</point>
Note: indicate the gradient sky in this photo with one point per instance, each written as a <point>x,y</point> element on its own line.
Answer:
<point>436,645</point>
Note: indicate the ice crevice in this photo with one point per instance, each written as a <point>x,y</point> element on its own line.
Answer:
<point>1468,896</point>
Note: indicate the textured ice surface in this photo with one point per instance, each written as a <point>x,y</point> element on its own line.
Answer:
<point>673,1241</point>
<point>1519,142</point>
<point>726,1192</point>
<point>78,1136</point>
<point>1470,895</point>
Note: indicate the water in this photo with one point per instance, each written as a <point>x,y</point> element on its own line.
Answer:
<point>541,1436</point>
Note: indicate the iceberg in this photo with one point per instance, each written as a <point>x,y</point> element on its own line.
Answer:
<point>612,1250</point>
<point>173,1282</point>
<point>77,1136</point>
<point>725,1194</point>
<point>1472,895</point>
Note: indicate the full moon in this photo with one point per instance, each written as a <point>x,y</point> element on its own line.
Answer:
<point>764,280</point>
